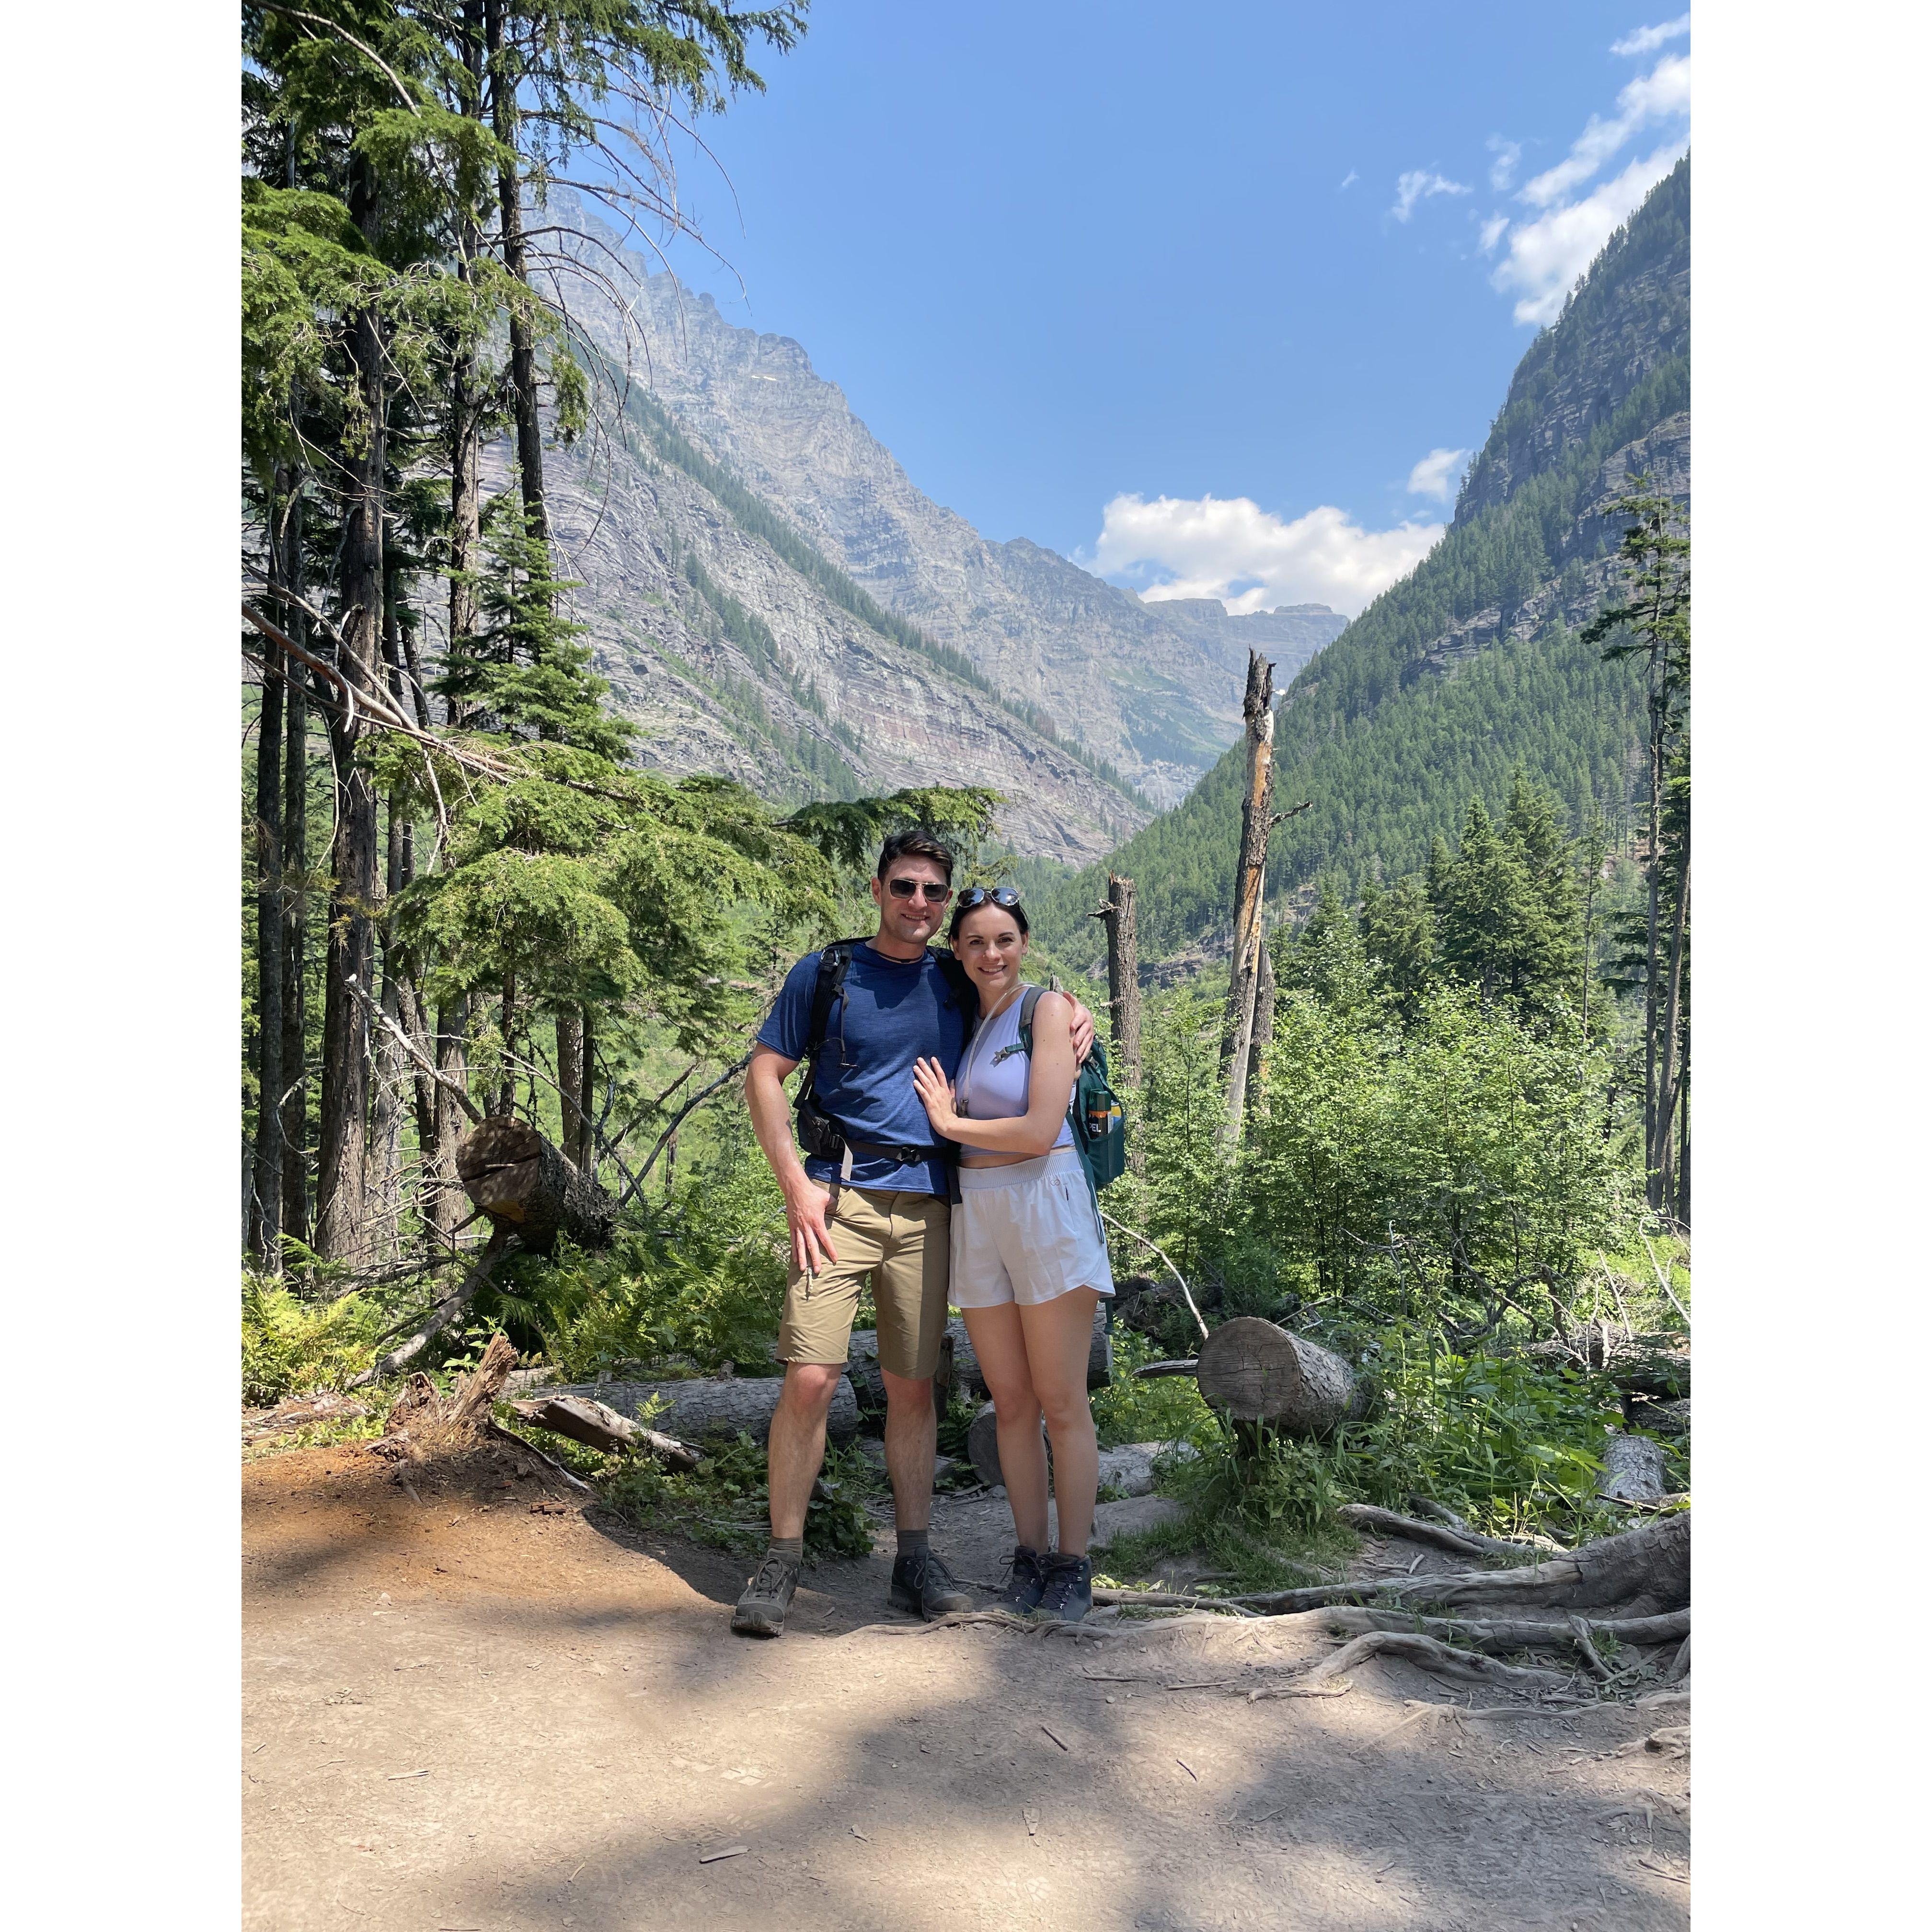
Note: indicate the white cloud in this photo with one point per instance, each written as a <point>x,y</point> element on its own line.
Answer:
<point>1502,170</point>
<point>1648,40</point>
<point>1230,548</point>
<point>1549,251</point>
<point>1418,184</point>
<point>1433,474</point>
<point>1348,180</point>
<point>1662,94</point>
<point>1547,256</point>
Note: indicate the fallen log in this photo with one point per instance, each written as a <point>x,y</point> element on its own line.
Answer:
<point>522,1182</point>
<point>1257,1372</point>
<point>1633,1471</point>
<point>1507,1634</point>
<point>446,1311</point>
<point>720,1406</point>
<point>1643,1572</point>
<point>1460,1540</point>
<point>601,1427</point>
<point>1654,1364</point>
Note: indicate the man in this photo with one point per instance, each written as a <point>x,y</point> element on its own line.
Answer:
<point>883,1208</point>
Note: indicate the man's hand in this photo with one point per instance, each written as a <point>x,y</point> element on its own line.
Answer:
<point>1083,1032</point>
<point>806,1210</point>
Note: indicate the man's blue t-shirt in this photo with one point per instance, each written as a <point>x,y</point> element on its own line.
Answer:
<point>889,1013</point>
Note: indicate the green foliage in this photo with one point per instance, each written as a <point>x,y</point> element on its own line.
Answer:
<point>1167,1409</point>
<point>291,1346</point>
<point>725,1501</point>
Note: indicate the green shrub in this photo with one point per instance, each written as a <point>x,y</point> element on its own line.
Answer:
<point>1168,1409</point>
<point>290,1346</point>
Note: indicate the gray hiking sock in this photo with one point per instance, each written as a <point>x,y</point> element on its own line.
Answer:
<point>791,1548</point>
<point>911,1540</point>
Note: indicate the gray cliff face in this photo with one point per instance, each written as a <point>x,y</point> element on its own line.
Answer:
<point>1157,695</point>
<point>832,709</point>
<point>1288,636</point>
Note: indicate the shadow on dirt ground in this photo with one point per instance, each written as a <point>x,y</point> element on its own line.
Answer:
<point>468,1705</point>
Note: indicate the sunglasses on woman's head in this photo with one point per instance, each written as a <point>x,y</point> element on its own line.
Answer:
<point>1002,896</point>
<point>904,888</point>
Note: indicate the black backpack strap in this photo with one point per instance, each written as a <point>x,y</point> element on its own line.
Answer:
<point>961,982</point>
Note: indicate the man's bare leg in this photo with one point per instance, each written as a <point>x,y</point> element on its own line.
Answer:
<point>796,1451</point>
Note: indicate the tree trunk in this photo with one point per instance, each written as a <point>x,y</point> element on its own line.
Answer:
<point>1260,1373</point>
<point>1237,1030</point>
<point>521,1182</point>
<point>722,1405</point>
<point>601,1427</point>
<point>351,957</point>
<point>1666,1075</point>
<point>570,1085</point>
<point>441,1185</point>
<point>466,408</point>
<point>1123,983</point>
<point>587,1099</point>
<point>1264,1026</point>
<point>294,940</point>
<point>1654,869</point>
<point>265,1219</point>
<point>523,344</point>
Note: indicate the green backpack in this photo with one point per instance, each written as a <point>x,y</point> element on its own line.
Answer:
<point>1094,1113</point>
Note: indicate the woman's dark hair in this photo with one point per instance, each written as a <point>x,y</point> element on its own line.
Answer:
<point>977,898</point>
<point>917,843</point>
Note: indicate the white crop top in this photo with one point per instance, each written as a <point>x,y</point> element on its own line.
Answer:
<point>996,1075</point>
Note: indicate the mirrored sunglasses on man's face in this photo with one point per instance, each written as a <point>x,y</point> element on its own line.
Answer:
<point>904,888</point>
<point>1005,897</point>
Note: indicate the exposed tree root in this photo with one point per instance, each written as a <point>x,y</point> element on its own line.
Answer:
<point>1471,1667</point>
<point>1643,1572</point>
<point>1511,1633</point>
<point>1458,1538</point>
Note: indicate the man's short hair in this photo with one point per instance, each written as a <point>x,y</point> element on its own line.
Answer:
<point>917,843</point>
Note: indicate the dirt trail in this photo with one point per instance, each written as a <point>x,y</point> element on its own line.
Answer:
<point>461,1712</point>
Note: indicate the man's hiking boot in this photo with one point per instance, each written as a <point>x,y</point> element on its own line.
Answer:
<point>922,1584</point>
<point>1068,1592</point>
<point>761,1609</point>
<point>1025,1582</point>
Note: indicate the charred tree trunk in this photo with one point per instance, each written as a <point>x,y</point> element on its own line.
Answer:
<point>1259,1373</point>
<point>265,1219</point>
<point>1237,1030</point>
<point>522,1182</point>
<point>293,1097</point>
<point>522,340</point>
<point>351,957</point>
<point>570,1085</point>
<point>1123,984</point>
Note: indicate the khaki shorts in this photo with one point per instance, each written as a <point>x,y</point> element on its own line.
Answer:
<point>903,1242</point>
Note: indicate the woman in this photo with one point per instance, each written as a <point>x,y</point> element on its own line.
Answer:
<point>1029,1261</point>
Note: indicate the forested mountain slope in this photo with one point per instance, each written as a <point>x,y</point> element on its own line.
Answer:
<point>1470,666</point>
<point>1156,695</point>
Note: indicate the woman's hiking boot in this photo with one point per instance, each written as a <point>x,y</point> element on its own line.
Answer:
<point>1025,1582</point>
<point>922,1584</point>
<point>1068,1593</point>
<point>761,1609</point>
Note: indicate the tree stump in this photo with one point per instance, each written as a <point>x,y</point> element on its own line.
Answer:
<point>1257,1372</point>
<point>524,1183</point>
<point>1633,1471</point>
<point>715,1406</point>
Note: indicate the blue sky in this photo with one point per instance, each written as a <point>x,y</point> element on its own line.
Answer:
<point>1215,303</point>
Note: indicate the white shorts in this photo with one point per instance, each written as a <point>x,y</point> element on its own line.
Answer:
<point>1026,1233</point>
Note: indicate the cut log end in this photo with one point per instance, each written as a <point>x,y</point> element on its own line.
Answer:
<point>1257,1372</point>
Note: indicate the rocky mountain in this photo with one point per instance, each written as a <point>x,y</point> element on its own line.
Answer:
<point>1151,690</point>
<point>1470,668</point>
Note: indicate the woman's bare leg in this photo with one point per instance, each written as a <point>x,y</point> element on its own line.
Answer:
<point>1000,1344</point>
<point>1059,1337</point>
